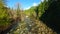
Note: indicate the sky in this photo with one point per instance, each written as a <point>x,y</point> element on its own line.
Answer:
<point>25,4</point>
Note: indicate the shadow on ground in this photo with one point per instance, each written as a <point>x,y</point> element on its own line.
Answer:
<point>51,17</point>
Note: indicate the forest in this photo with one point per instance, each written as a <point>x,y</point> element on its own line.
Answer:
<point>41,19</point>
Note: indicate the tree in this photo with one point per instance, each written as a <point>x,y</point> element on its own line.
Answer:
<point>4,17</point>
<point>18,11</point>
